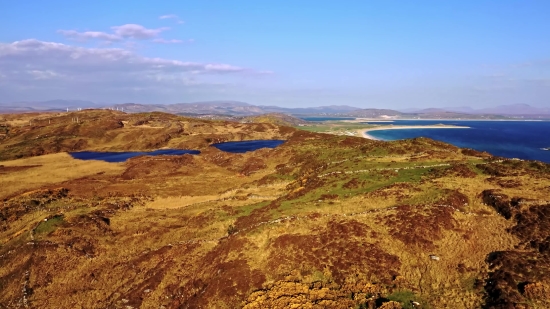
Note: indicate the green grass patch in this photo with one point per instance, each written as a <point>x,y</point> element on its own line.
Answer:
<point>247,209</point>
<point>319,128</point>
<point>476,170</point>
<point>369,181</point>
<point>46,227</point>
<point>378,152</point>
<point>426,196</point>
<point>405,297</point>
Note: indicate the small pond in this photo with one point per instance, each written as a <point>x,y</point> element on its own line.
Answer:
<point>123,156</point>
<point>244,146</point>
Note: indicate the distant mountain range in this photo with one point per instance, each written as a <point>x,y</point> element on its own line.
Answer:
<point>515,109</point>
<point>236,108</point>
<point>52,105</point>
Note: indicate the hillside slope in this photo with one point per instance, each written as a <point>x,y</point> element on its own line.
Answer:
<point>321,221</point>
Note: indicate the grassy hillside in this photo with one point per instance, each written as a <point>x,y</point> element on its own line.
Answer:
<point>322,221</point>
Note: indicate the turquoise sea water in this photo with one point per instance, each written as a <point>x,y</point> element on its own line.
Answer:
<point>511,139</point>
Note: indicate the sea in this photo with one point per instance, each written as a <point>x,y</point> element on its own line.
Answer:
<point>512,139</point>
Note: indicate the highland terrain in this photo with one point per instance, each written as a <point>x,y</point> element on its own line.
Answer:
<point>322,221</point>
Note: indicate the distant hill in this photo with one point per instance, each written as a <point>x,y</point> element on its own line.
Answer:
<point>517,110</point>
<point>321,110</point>
<point>275,118</point>
<point>430,113</point>
<point>375,113</point>
<point>241,109</point>
<point>51,105</point>
<point>234,108</point>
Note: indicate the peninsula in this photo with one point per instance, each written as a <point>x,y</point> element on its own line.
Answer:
<point>363,132</point>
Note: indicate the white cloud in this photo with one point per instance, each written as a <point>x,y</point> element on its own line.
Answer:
<point>40,55</point>
<point>168,16</point>
<point>84,36</point>
<point>127,31</point>
<point>164,41</point>
<point>172,16</point>
<point>38,69</point>
<point>135,31</point>
<point>45,74</point>
<point>225,68</point>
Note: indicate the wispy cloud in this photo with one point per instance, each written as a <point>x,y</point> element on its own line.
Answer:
<point>119,33</point>
<point>139,32</point>
<point>89,35</point>
<point>164,41</point>
<point>33,68</point>
<point>112,69</point>
<point>57,57</point>
<point>172,16</point>
<point>168,16</point>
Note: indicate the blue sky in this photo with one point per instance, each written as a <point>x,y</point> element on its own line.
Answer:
<point>379,54</point>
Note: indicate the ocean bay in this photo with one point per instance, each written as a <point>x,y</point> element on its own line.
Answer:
<point>512,139</point>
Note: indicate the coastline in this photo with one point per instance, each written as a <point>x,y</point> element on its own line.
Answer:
<point>363,132</point>
<point>375,120</point>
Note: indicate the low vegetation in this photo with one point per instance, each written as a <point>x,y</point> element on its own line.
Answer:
<point>322,221</point>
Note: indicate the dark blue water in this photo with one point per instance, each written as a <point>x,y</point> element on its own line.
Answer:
<point>244,146</point>
<point>319,119</point>
<point>123,156</point>
<point>511,139</point>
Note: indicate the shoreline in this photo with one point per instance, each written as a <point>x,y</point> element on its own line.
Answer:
<point>363,132</point>
<point>359,120</point>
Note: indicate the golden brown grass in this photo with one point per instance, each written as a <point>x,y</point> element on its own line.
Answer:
<point>154,232</point>
<point>51,169</point>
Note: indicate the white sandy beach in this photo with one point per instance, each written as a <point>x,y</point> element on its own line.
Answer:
<point>363,132</point>
<point>359,120</point>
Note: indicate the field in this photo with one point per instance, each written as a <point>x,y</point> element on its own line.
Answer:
<point>322,221</point>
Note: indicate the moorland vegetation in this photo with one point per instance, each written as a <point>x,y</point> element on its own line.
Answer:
<point>322,221</point>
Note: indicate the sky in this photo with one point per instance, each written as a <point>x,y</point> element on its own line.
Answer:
<point>301,53</point>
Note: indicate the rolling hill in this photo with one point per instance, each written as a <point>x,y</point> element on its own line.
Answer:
<point>322,221</point>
